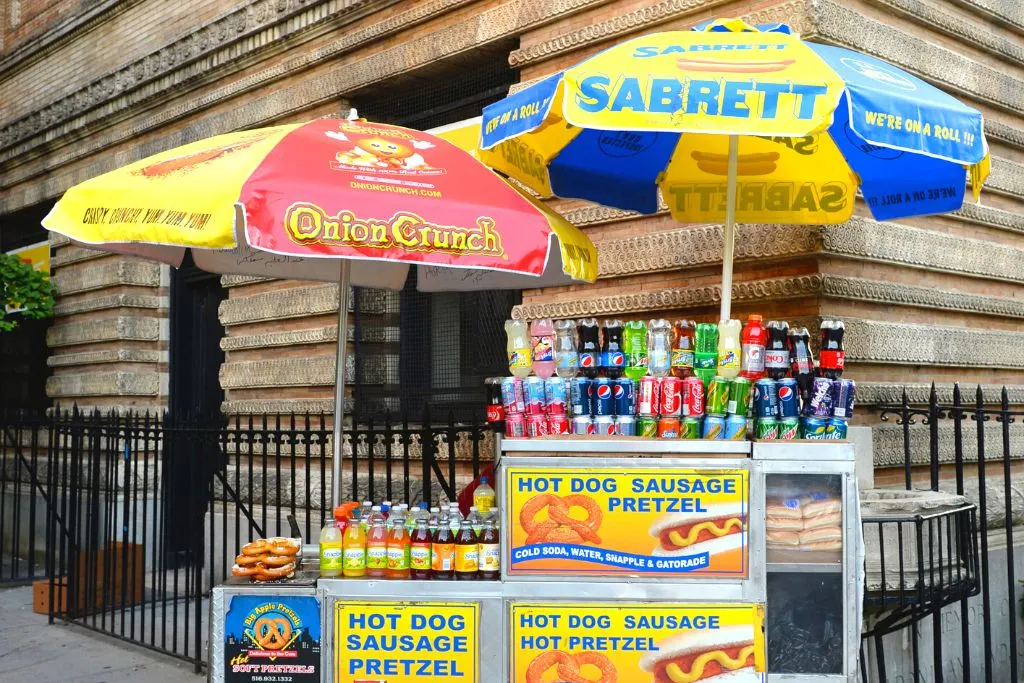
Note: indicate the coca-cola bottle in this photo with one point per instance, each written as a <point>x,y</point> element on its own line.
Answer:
<point>776,350</point>
<point>832,357</point>
<point>801,360</point>
<point>589,347</point>
<point>495,404</point>
<point>613,357</point>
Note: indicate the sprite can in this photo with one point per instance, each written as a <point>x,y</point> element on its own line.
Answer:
<point>789,428</point>
<point>647,426</point>
<point>767,429</point>
<point>836,429</point>
<point>814,428</point>
<point>690,428</point>
<point>718,396</point>
<point>739,396</point>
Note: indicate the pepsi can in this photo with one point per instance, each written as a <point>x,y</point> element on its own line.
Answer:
<point>766,398</point>
<point>819,404</point>
<point>844,396</point>
<point>625,396</point>
<point>512,395</point>
<point>603,399</point>
<point>604,425</point>
<point>583,425</point>
<point>736,427</point>
<point>535,395</point>
<point>814,428</point>
<point>556,395</point>
<point>581,389</point>
<point>836,429</point>
<point>789,402</point>
<point>714,427</point>
<point>625,425</point>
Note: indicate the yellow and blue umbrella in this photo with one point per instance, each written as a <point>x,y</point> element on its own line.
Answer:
<point>731,122</point>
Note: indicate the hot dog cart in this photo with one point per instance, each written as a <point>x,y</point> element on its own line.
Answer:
<point>624,559</point>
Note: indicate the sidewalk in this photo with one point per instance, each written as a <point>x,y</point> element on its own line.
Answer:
<point>42,653</point>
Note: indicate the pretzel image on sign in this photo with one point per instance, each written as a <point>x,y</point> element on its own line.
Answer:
<point>578,667</point>
<point>560,527</point>
<point>272,633</point>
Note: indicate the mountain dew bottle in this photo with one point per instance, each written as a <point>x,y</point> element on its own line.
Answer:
<point>634,345</point>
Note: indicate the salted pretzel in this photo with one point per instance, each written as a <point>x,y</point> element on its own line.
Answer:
<point>277,560</point>
<point>266,573</point>
<point>282,546</point>
<point>272,633</point>
<point>243,571</point>
<point>569,667</point>
<point>560,527</point>
<point>247,560</point>
<point>256,548</point>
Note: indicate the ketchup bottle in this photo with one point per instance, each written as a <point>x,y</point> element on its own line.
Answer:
<point>753,339</point>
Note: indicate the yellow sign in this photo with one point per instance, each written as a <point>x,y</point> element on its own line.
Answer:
<point>647,642</point>
<point>406,642</point>
<point>36,255</point>
<point>637,522</point>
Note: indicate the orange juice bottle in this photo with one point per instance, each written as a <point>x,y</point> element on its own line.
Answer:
<point>399,546</point>
<point>353,551</point>
<point>377,545</point>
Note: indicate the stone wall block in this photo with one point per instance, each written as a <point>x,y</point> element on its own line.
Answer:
<point>86,278</point>
<point>103,384</point>
<point>105,330</point>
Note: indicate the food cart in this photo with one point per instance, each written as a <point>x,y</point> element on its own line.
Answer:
<point>624,559</point>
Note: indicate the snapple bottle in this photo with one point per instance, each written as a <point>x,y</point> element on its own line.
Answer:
<point>442,550</point>
<point>490,551</point>
<point>419,554</point>
<point>467,553</point>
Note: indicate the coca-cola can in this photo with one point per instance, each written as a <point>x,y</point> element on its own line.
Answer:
<point>693,397</point>
<point>558,424</point>
<point>583,425</point>
<point>535,395</point>
<point>604,425</point>
<point>671,396</point>
<point>515,425</point>
<point>536,426</point>
<point>512,395</point>
<point>648,401</point>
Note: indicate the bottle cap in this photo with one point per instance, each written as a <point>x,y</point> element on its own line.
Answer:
<point>756,317</point>
<point>484,480</point>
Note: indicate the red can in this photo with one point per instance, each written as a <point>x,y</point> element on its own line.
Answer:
<point>558,424</point>
<point>668,428</point>
<point>671,396</point>
<point>515,425</point>
<point>648,400</point>
<point>693,397</point>
<point>536,426</point>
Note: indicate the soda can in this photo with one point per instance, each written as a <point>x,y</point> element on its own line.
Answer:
<point>671,396</point>
<point>736,427</point>
<point>690,427</point>
<point>536,426</point>
<point>512,395</point>
<point>583,425</point>
<point>718,397</point>
<point>789,428</point>
<point>648,401</point>
<point>766,398</point>
<point>625,425</point>
<point>558,424</point>
<point>693,397</point>
<point>789,402</point>
<point>739,396</point>
<point>844,396</point>
<point>714,427</point>
<point>604,403</point>
<point>647,426</point>
<point>767,429</point>
<point>836,429</point>
<point>604,425</point>
<point>668,428</point>
<point>814,428</point>
<point>580,389</point>
<point>515,425</point>
<point>556,395</point>
<point>820,402</point>
<point>535,395</point>
<point>625,396</point>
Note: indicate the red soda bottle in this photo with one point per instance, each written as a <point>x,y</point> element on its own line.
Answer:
<point>682,348</point>
<point>832,357</point>
<point>753,338</point>
<point>776,351</point>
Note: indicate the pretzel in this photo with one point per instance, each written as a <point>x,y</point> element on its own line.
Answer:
<point>265,573</point>
<point>560,527</point>
<point>277,560</point>
<point>570,665</point>
<point>272,633</point>
<point>256,548</point>
<point>247,560</point>
<point>282,546</point>
<point>239,570</point>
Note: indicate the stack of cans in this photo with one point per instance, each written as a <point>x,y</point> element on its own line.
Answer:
<point>824,415</point>
<point>603,406</point>
<point>728,409</point>
<point>828,409</point>
<point>535,407</point>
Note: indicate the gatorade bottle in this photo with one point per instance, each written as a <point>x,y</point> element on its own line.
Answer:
<point>682,348</point>
<point>490,552</point>
<point>542,335</point>
<point>331,548</point>
<point>377,545</point>
<point>659,347</point>
<point>399,547</point>
<point>729,348</point>
<point>419,550</point>
<point>520,350</point>
<point>634,344</point>
<point>776,350</point>
<point>832,357</point>
<point>589,349</point>
<point>467,553</point>
<point>567,360</point>
<point>483,496</point>
<point>802,361</point>
<point>613,360</point>
<point>442,550</point>
<point>705,355</point>
<point>353,548</point>
<point>754,339</point>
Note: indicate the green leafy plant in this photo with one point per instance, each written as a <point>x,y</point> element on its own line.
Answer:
<point>24,291</point>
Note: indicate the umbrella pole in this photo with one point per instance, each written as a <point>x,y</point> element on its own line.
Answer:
<point>730,227</point>
<point>339,382</point>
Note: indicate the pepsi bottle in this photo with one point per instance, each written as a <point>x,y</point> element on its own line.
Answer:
<point>832,357</point>
<point>613,358</point>
<point>776,350</point>
<point>801,360</point>
<point>589,349</point>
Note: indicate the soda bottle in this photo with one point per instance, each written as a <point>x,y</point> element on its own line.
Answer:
<point>567,360</point>
<point>589,349</point>
<point>634,345</point>
<point>454,517</point>
<point>475,520</point>
<point>776,350</point>
<point>520,350</point>
<point>659,347</point>
<point>754,339</point>
<point>495,405</point>
<point>432,520</point>
<point>490,552</point>
<point>385,509</point>
<point>419,550</point>
<point>377,545</point>
<point>467,553</point>
<point>442,550</point>
<point>613,360</point>
<point>399,547</point>
<point>331,548</point>
<point>353,548</point>
<point>682,348</point>
<point>483,496</point>
<point>705,355</point>
<point>729,348</point>
<point>802,360</point>
<point>832,357</point>
<point>542,335</point>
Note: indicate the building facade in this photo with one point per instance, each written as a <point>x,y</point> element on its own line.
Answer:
<point>88,87</point>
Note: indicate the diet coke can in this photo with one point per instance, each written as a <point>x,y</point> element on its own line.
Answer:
<point>583,425</point>
<point>671,396</point>
<point>512,395</point>
<point>604,425</point>
<point>556,395</point>
<point>648,401</point>
<point>693,397</point>
<point>536,426</point>
<point>535,395</point>
<point>558,424</point>
<point>515,425</point>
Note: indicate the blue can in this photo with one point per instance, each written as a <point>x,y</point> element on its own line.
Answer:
<point>535,394</point>
<point>625,396</point>
<point>789,398</point>
<point>581,389</point>
<point>603,398</point>
<point>844,396</point>
<point>836,429</point>
<point>625,425</point>
<point>766,398</point>
<point>820,402</point>
<point>512,395</point>
<point>714,427</point>
<point>736,427</point>
<point>556,393</point>
<point>814,428</point>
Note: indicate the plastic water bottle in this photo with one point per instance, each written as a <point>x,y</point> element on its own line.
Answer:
<point>567,361</point>
<point>659,347</point>
<point>729,348</point>
<point>483,496</point>
<point>433,519</point>
<point>475,520</point>
<point>519,348</point>
<point>634,345</point>
<point>542,334</point>
<point>364,515</point>
<point>454,517</point>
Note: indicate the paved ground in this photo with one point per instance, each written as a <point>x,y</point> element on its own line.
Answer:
<point>40,653</point>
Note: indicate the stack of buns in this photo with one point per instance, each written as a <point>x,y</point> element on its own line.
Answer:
<point>811,522</point>
<point>267,559</point>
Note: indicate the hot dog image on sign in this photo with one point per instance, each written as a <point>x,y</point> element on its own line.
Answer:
<point>634,522</point>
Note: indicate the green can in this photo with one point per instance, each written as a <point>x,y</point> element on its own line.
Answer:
<point>739,396</point>
<point>789,428</point>
<point>717,402</point>
<point>767,429</point>
<point>690,428</point>
<point>647,426</point>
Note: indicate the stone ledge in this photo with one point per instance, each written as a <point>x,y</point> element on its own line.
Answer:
<point>1009,11</point>
<point>891,393</point>
<point>270,406</point>
<point>877,341</point>
<point>229,281</point>
<point>88,278</point>
<point>69,255</point>
<point>887,444</point>
<point>103,384</point>
<point>370,334</point>
<point>108,329</point>
<point>297,372</point>
<point>296,302</point>
<point>104,356</point>
<point>108,302</point>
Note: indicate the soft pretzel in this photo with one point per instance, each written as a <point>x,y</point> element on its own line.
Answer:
<point>277,560</point>
<point>258,547</point>
<point>274,573</point>
<point>247,560</point>
<point>238,570</point>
